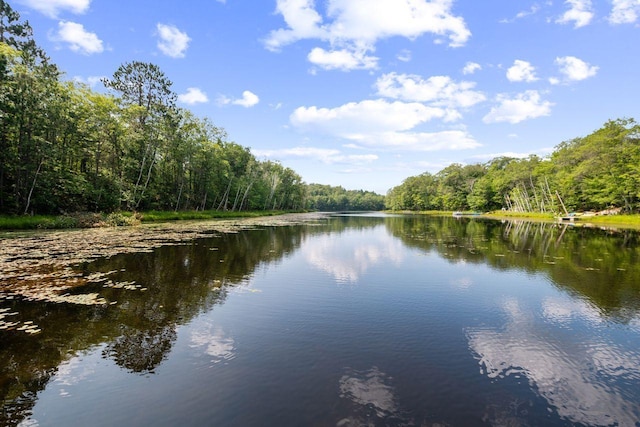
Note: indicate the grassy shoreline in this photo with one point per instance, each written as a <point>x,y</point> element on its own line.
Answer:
<point>621,221</point>
<point>94,220</point>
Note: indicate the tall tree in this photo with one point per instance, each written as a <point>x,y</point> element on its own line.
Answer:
<point>146,92</point>
<point>28,110</point>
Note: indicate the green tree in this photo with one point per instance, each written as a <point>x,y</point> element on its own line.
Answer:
<point>146,92</point>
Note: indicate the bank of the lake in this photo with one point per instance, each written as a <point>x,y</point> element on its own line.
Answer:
<point>617,221</point>
<point>631,221</point>
<point>116,219</point>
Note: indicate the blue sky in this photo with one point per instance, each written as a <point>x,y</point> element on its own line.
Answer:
<point>364,93</point>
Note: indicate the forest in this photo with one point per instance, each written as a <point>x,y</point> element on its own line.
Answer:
<point>597,172</point>
<point>65,148</point>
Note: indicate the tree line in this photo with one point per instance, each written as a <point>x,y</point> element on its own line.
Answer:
<point>65,147</point>
<point>330,199</point>
<point>596,172</point>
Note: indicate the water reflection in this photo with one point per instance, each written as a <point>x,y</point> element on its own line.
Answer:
<point>601,265</point>
<point>212,341</point>
<point>370,390</point>
<point>566,345</point>
<point>371,396</point>
<point>347,258</point>
<point>142,351</point>
<point>583,377</point>
<point>173,284</point>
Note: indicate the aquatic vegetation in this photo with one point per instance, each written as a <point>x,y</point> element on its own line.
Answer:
<point>40,266</point>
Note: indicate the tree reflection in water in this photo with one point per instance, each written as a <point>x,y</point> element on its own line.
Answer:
<point>139,330</point>
<point>141,351</point>
<point>596,270</point>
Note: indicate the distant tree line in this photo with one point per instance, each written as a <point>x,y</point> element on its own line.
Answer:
<point>596,172</point>
<point>65,147</point>
<point>327,198</point>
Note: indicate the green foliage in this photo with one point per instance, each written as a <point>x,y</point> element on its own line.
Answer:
<point>65,148</point>
<point>326,198</point>
<point>599,171</point>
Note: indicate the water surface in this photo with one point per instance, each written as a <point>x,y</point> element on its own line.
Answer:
<point>352,321</point>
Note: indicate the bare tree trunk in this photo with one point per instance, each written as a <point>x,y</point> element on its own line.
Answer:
<point>179,196</point>
<point>33,184</point>
<point>535,195</point>
<point>246,193</point>
<point>235,201</point>
<point>146,183</point>
<point>551,198</point>
<point>225,196</point>
<point>203,205</point>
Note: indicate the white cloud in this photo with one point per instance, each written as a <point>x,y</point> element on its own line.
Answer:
<point>382,124</point>
<point>357,25</point>
<point>371,20</point>
<point>438,91</point>
<point>580,12</point>
<point>422,141</point>
<point>625,11</point>
<point>471,67</point>
<point>521,71</point>
<point>342,59</point>
<point>512,154</point>
<point>523,14</point>
<point>78,39</point>
<point>193,96</point>
<point>172,42</point>
<point>52,8</point>
<point>303,22</point>
<point>356,118</point>
<point>91,81</point>
<point>574,69</point>
<point>404,55</point>
<point>249,99</point>
<point>327,156</point>
<point>525,106</point>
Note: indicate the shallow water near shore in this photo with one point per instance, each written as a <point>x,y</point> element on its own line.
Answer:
<point>350,320</point>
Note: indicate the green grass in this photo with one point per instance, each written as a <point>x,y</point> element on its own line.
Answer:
<point>529,215</point>
<point>611,220</point>
<point>24,222</point>
<point>74,220</point>
<point>633,220</point>
<point>163,216</point>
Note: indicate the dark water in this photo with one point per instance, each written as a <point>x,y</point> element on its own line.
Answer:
<point>358,321</point>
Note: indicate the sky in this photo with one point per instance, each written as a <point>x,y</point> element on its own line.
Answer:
<point>365,93</point>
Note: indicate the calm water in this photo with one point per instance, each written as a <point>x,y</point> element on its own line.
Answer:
<point>355,321</point>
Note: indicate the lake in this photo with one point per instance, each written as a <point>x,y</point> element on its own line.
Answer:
<point>350,320</point>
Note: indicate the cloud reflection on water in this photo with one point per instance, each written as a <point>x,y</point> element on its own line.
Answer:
<point>347,258</point>
<point>369,389</point>
<point>582,376</point>
<point>214,342</point>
